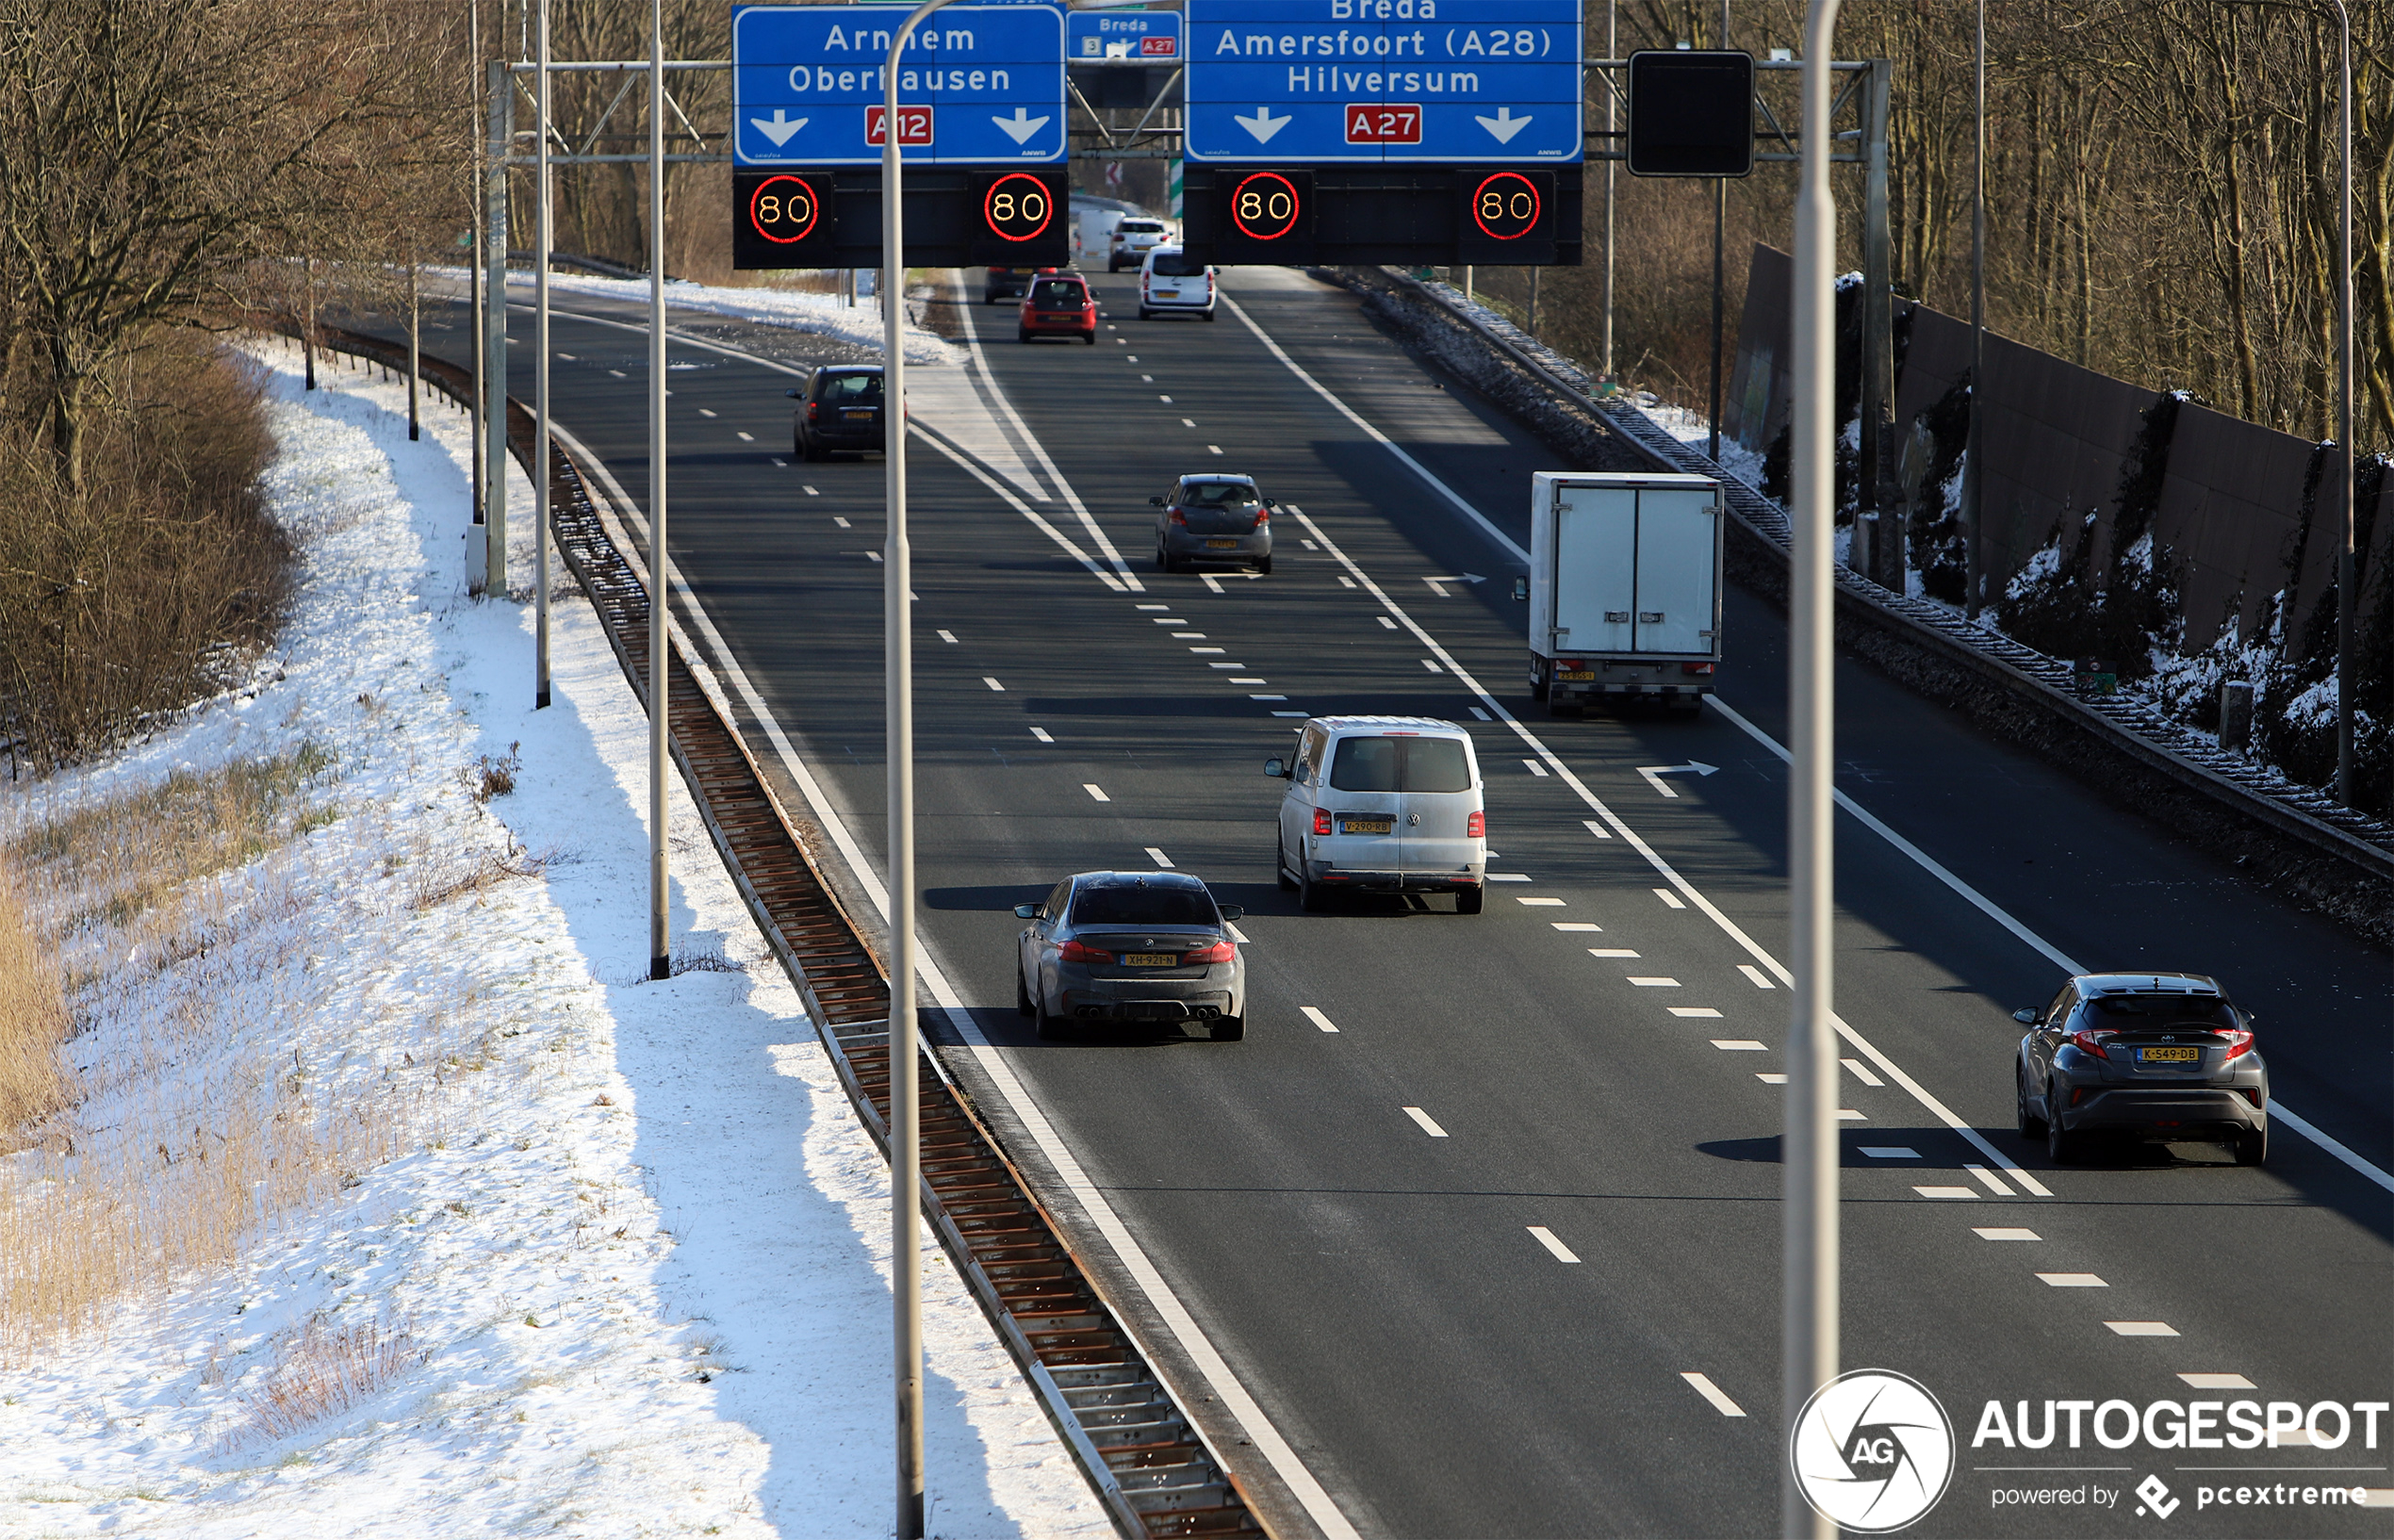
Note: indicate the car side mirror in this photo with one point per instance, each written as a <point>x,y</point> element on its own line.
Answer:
<point>1234,911</point>
<point>1270,502</point>
<point>1521,590</point>
<point>2025,1017</point>
<point>1156,503</point>
<point>795,395</point>
<point>1026,911</point>
<point>1276,766</point>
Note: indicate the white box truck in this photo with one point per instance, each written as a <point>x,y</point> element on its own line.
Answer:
<point>1625,587</point>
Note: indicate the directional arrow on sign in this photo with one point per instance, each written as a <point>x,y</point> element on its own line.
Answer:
<point>1264,125</point>
<point>1020,126</point>
<point>1504,124</point>
<point>1654,773</point>
<point>780,128</point>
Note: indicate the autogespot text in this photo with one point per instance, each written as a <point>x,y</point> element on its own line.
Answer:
<point>2180,1425</point>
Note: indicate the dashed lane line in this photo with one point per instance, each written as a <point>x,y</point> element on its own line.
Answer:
<point>1096,793</point>
<point>1429,1125</point>
<point>1317,1018</point>
<point>1713,1393</point>
<point>1546,1238</point>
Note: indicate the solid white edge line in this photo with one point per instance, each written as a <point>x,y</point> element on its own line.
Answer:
<point>1186,1335</point>
<point>2278,1111</point>
<point>1711,1392</point>
<point>1654,859</point>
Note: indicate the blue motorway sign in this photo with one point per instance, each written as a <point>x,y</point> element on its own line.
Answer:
<point>1298,82</point>
<point>1122,37</point>
<point>977,85</point>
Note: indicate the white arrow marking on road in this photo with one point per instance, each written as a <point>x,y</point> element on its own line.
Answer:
<point>779,129</point>
<point>1654,773</point>
<point>1021,125</point>
<point>1504,124</point>
<point>1438,586</point>
<point>1264,125</point>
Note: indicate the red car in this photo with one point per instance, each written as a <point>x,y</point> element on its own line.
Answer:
<point>1058,306</point>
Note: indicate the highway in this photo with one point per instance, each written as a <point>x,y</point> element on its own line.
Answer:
<point>1481,1218</point>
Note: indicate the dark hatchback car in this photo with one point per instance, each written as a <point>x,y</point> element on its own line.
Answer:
<point>1213,518</point>
<point>1131,947</point>
<point>841,414</point>
<point>2155,1058</point>
<point>1004,283</point>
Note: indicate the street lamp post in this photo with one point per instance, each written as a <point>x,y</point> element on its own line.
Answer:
<point>660,560</point>
<point>1810,1220</point>
<point>545,237</point>
<point>1973,475</point>
<point>2348,597</point>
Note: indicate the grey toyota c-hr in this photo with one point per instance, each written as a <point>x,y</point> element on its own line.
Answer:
<point>1126,947</point>
<point>2157,1057</point>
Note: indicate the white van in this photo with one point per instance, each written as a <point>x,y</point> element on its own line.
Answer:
<point>1384,804</point>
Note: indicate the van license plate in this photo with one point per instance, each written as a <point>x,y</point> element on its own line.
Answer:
<point>1583,674</point>
<point>2168,1056</point>
<point>1366,825</point>
<point>1221,545</point>
<point>1151,959</point>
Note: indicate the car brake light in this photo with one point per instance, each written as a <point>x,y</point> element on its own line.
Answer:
<point>2091,1041</point>
<point>1573,664</point>
<point>1179,517</point>
<point>1219,952</point>
<point>1321,820</point>
<point>1261,515</point>
<point>1076,952</point>
<point>812,411</point>
<point>1696,668</point>
<point>2239,1042</point>
<point>1478,828</point>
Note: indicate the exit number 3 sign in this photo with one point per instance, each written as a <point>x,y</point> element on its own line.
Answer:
<point>1371,123</point>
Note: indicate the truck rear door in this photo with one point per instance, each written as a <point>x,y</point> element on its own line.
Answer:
<point>1678,531</point>
<point>1595,569</point>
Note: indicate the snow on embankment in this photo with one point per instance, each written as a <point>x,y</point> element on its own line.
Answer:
<point>453,1222</point>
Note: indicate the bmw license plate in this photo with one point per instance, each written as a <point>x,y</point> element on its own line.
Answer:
<point>1151,959</point>
<point>1366,825</point>
<point>2168,1056</point>
<point>1221,545</point>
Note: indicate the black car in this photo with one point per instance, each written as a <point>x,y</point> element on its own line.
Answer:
<point>841,414</point>
<point>1131,947</point>
<point>2156,1057</point>
<point>1213,518</point>
<point>1008,283</point>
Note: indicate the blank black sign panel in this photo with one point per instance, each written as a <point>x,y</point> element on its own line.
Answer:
<point>1690,114</point>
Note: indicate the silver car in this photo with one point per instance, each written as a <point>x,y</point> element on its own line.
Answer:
<point>1213,518</point>
<point>1125,948</point>
<point>2156,1057</point>
<point>1132,239</point>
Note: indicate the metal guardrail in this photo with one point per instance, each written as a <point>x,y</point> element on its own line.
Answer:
<point>1140,1452</point>
<point>2128,724</point>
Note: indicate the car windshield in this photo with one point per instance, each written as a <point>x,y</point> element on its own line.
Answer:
<point>1401,764</point>
<point>1133,904</point>
<point>1059,296</point>
<point>850,389</point>
<point>1219,495</point>
<point>2159,1012</point>
<point>1177,265</point>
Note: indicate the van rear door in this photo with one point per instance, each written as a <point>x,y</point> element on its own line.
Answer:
<point>1595,570</point>
<point>1440,791</point>
<point>1678,531</point>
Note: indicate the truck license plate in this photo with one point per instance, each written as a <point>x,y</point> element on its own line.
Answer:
<point>1583,675</point>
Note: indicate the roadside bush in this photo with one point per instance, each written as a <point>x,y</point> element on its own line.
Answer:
<point>156,582</point>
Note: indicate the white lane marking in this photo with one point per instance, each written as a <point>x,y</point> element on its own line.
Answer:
<point>1185,423</point>
<point>873,556</point>
<point>1210,649</point>
<point>1317,1018</point>
<point>1994,1183</point>
<point>2071,1280</point>
<point>1540,903</point>
<point>621,375</point>
<point>705,412</point>
<point>1846,1114</point>
<point>1610,951</point>
<point>1654,981</point>
<point>807,490</point>
<point>1308,545</point>
<point>1535,768</point>
<point>992,683</point>
<point>1041,733</point>
<point>1711,1392</point>
<point>1670,900</point>
<point>1146,607</point>
<point>1431,664</point>
<point>1700,1013</point>
<point>1574,925</point>
<point>1756,976</point>
<point>1475,710</point>
<point>1235,934</point>
<point>1261,697</point>
<point>1038,520</point>
<point>784,464</point>
<point>1291,713</point>
<point>1166,400</point>
<point>1546,1238</point>
<point>2006,1232</point>
<point>1144,379</point>
<point>842,522</point>
<point>1948,1193</point>
<point>1378,437</point>
<point>2218,1382</point>
<point>1251,680</point>
<point>948,636</point>
<point>1711,911</point>
<point>1438,588</point>
<point>1769,1078</point>
<point>1160,858</point>
<point>748,437</point>
<point>1739,1045</point>
<point>1166,620</point>
<point>569,359</point>
<point>1429,1125</point>
<point>1891,1152</point>
<point>1210,448</point>
<point>1386,623</point>
<point>1345,581</point>
<point>1172,1312</point>
<point>1212,583</point>
<point>1189,636</point>
<point>1862,1072</point>
<point>1508,877</point>
<point>1096,793</point>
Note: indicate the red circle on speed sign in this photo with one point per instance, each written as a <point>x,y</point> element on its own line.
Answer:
<point>1505,205</point>
<point>1263,206</point>
<point>784,213</point>
<point>1017,206</point>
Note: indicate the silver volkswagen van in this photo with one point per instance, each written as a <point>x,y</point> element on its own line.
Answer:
<point>1383,804</point>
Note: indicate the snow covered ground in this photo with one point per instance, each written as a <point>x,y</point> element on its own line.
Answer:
<point>797,309</point>
<point>603,1256</point>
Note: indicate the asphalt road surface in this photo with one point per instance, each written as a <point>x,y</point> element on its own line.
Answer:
<point>1483,1213</point>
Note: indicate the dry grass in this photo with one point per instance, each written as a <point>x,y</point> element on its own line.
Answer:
<point>320,1372</point>
<point>32,1022</point>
